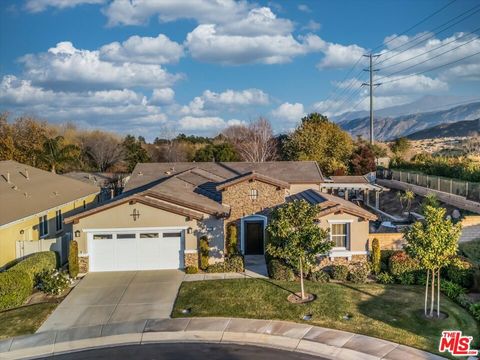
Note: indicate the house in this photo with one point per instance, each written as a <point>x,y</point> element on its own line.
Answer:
<point>111,184</point>
<point>166,207</point>
<point>33,203</point>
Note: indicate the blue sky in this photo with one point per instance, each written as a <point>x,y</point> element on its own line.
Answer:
<point>196,66</point>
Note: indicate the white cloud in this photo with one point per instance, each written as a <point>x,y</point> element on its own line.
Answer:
<point>145,50</point>
<point>226,100</point>
<point>41,5</point>
<point>312,26</point>
<point>413,84</point>
<point>205,43</point>
<point>125,12</point>
<point>290,112</point>
<point>65,67</point>
<point>162,96</point>
<point>202,123</point>
<point>337,55</point>
<point>304,8</point>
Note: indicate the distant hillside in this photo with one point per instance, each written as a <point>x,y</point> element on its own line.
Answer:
<point>389,128</point>
<point>459,128</point>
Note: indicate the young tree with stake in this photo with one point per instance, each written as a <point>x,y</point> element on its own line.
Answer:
<point>434,244</point>
<point>295,237</point>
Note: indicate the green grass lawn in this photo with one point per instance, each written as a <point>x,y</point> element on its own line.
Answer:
<point>471,250</point>
<point>384,311</point>
<point>24,320</point>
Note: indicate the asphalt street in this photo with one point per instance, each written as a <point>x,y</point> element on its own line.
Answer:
<point>184,351</point>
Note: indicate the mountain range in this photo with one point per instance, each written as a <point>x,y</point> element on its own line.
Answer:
<point>459,128</point>
<point>391,127</point>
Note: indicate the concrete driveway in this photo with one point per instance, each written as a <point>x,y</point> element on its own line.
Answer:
<point>113,297</point>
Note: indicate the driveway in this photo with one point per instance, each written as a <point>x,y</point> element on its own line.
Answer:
<point>113,297</point>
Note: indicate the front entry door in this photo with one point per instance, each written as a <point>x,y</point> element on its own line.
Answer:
<point>254,238</point>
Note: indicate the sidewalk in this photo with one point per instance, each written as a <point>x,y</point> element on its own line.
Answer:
<point>329,343</point>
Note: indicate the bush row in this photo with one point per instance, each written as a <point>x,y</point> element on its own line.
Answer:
<point>232,263</point>
<point>16,284</point>
<point>358,273</point>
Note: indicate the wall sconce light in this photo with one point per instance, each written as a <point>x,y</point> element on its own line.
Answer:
<point>77,233</point>
<point>22,232</point>
<point>189,230</point>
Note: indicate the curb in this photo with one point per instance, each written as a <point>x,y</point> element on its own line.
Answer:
<point>282,335</point>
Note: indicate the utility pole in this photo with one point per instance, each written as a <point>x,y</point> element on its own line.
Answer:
<point>371,85</point>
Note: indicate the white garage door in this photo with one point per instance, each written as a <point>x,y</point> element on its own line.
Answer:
<point>135,250</point>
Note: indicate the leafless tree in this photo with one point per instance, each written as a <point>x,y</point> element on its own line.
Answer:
<point>104,149</point>
<point>254,142</point>
<point>472,145</point>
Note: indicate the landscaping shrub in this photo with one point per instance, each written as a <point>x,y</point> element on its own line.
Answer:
<point>232,263</point>
<point>191,270</point>
<point>407,278</point>
<point>15,287</point>
<point>37,263</point>
<point>359,274</point>
<point>319,276</point>
<point>232,240</point>
<point>451,289</point>
<point>421,277</point>
<point>400,263</point>
<point>475,310</point>
<point>73,266</point>
<point>385,278</point>
<point>376,257</point>
<point>460,272</point>
<point>278,270</point>
<point>53,282</point>
<point>464,300</point>
<point>385,258</point>
<point>204,252</point>
<point>339,272</point>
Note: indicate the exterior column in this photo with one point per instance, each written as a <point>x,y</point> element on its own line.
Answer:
<point>367,196</point>
<point>346,194</point>
<point>377,199</point>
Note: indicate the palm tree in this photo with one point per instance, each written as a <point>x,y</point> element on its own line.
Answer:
<point>55,153</point>
<point>406,199</point>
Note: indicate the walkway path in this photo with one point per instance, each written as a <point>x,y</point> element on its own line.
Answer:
<point>304,338</point>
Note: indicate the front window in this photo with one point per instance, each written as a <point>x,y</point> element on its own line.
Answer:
<point>253,194</point>
<point>58,220</point>
<point>43,225</point>
<point>339,234</point>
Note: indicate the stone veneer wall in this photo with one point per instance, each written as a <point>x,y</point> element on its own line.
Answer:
<point>191,259</point>
<point>238,198</point>
<point>83,264</point>
<point>324,261</point>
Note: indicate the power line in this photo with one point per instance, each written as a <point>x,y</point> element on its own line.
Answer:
<point>427,36</point>
<point>429,51</point>
<point>427,60</point>
<point>371,85</point>
<point>432,69</point>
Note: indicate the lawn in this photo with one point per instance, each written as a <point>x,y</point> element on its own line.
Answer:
<point>24,320</point>
<point>471,249</point>
<point>389,312</point>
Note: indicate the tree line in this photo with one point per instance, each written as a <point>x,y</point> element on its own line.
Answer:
<point>63,148</point>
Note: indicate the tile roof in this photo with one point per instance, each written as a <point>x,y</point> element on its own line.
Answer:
<point>330,204</point>
<point>31,191</point>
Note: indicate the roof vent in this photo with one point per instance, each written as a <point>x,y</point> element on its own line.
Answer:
<point>15,187</point>
<point>8,177</point>
<point>55,193</point>
<point>26,174</point>
<point>168,172</point>
<point>140,173</point>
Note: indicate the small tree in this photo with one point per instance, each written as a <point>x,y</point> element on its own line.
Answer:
<point>295,237</point>
<point>406,199</point>
<point>430,200</point>
<point>73,266</point>
<point>376,259</point>
<point>232,244</point>
<point>434,244</point>
<point>204,252</point>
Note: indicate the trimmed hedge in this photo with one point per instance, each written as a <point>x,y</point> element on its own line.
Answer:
<point>191,270</point>
<point>233,263</point>
<point>278,270</point>
<point>359,274</point>
<point>376,257</point>
<point>37,263</point>
<point>339,272</point>
<point>15,287</point>
<point>73,265</point>
<point>403,267</point>
<point>319,276</point>
<point>461,272</point>
<point>385,278</point>
<point>452,290</point>
<point>385,258</point>
<point>204,252</point>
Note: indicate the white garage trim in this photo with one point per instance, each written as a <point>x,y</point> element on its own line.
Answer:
<point>124,255</point>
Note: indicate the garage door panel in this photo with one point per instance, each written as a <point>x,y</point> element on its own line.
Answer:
<point>126,252</point>
<point>137,251</point>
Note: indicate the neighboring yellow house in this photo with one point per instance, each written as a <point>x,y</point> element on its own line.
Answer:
<point>33,204</point>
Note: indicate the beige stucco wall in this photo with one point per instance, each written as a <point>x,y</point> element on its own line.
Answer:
<point>120,217</point>
<point>10,233</point>
<point>359,230</point>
